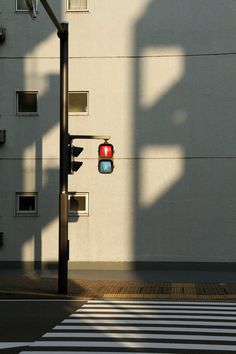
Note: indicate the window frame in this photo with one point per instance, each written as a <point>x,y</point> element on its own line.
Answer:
<point>19,212</point>
<point>79,11</point>
<point>17,103</point>
<point>24,11</point>
<point>78,113</point>
<point>79,212</point>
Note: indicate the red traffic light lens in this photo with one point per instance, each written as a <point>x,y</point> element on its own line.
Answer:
<point>106,150</point>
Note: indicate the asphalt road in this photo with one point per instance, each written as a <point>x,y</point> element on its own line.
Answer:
<point>24,321</point>
<point>121,326</point>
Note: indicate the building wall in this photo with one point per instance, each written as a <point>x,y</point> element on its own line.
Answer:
<point>161,81</point>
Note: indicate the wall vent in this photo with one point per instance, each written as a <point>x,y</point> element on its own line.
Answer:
<point>2,136</point>
<point>1,239</point>
<point>2,34</point>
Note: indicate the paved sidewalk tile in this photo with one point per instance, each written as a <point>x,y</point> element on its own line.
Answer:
<point>120,289</point>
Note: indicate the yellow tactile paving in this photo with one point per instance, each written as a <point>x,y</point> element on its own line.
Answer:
<point>188,291</point>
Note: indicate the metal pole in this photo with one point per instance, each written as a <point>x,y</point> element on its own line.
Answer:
<point>64,141</point>
<point>93,137</point>
<point>64,144</point>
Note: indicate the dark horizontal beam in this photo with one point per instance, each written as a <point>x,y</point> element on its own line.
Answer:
<point>95,137</point>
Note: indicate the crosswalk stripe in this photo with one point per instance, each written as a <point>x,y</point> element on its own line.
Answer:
<point>143,329</point>
<point>81,352</point>
<point>147,311</point>
<point>8,345</point>
<point>123,344</point>
<point>139,336</point>
<point>139,308</point>
<point>105,327</point>
<point>142,302</point>
<point>183,322</point>
<point>148,316</point>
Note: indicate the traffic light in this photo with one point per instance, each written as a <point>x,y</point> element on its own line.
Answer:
<point>74,151</point>
<point>105,155</point>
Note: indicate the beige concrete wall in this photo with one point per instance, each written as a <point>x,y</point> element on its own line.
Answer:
<point>184,122</point>
<point>161,82</point>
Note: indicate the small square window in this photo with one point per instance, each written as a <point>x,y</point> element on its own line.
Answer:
<point>78,102</point>
<point>21,5</point>
<point>26,204</point>
<point>77,5</point>
<point>78,204</point>
<point>27,102</point>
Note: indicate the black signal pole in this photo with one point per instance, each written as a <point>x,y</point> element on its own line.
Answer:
<point>62,29</point>
<point>64,143</point>
<point>64,163</point>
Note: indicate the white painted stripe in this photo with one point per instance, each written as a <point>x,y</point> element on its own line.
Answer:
<point>41,300</point>
<point>145,329</point>
<point>157,322</point>
<point>80,352</point>
<point>7,345</point>
<point>126,336</point>
<point>149,308</point>
<point>147,317</point>
<point>136,302</point>
<point>146,311</point>
<point>123,345</point>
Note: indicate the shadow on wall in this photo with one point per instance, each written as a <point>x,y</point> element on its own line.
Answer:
<point>184,112</point>
<point>30,131</point>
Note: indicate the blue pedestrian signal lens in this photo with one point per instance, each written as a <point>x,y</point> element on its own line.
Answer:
<point>105,166</point>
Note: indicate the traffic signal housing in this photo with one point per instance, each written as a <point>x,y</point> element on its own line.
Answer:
<point>74,151</point>
<point>105,155</point>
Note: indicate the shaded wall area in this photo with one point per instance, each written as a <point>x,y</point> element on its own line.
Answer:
<point>184,132</point>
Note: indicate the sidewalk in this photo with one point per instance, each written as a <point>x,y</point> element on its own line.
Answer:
<point>121,285</point>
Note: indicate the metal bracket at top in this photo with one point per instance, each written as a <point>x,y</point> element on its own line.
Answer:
<point>95,137</point>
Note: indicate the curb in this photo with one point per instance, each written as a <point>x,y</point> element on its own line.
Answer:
<point>84,289</point>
